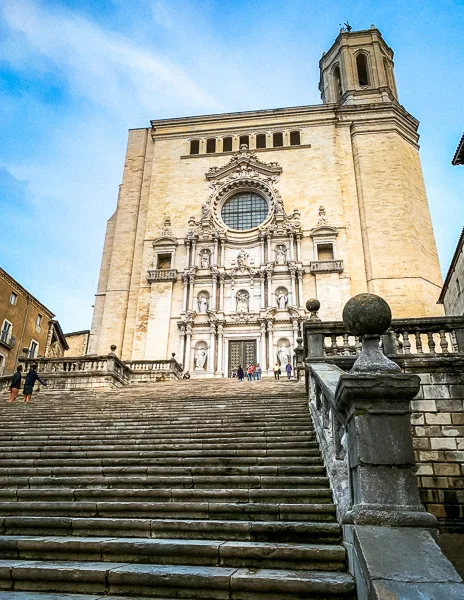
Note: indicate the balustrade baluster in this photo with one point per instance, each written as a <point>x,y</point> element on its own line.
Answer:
<point>346,345</point>
<point>443,341</point>
<point>406,343</point>
<point>358,344</point>
<point>454,341</point>
<point>333,346</point>
<point>431,342</point>
<point>417,335</point>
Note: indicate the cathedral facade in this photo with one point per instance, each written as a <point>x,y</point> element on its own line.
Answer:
<point>225,224</point>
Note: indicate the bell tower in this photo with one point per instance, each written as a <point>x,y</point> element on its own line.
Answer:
<point>358,69</point>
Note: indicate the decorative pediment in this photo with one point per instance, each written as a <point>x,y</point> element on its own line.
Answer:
<point>243,165</point>
<point>166,236</point>
<point>323,229</point>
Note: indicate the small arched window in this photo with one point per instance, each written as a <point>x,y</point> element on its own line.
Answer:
<point>295,138</point>
<point>337,83</point>
<point>195,147</point>
<point>211,146</point>
<point>361,65</point>
<point>227,144</point>
<point>261,140</point>
<point>277,140</point>
<point>245,139</point>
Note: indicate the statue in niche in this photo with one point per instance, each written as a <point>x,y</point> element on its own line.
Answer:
<point>202,303</point>
<point>280,254</point>
<point>282,299</point>
<point>242,258</point>
<point>242,299</point>
<point>205,259</point>
<point>200,359</point>
<point>283,355</point>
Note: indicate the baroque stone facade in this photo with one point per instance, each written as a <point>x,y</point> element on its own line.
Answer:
<point>226,223</point>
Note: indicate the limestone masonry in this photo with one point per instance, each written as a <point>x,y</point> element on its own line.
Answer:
<point>226,224</point>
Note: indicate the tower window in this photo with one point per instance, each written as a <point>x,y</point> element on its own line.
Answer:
<point>337,81</point>
<point>227,144</point>
<point>195,147</point>
<point>261,140</point>
<point>164,261</point>
<point>277,140</point>
<point>245,139</point>
<point>295,138</point>
<point>361,65</point>
<point>325,252</point>
<point>211,145</point>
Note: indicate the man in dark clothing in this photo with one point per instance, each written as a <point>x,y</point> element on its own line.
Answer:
<point>31,378</point>
<point>15,383</point>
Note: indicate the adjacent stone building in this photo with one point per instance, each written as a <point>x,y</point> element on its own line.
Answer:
<point>78,342</point>
<point>226,224</point>
<point>452,294</point>
<point>25,323</point>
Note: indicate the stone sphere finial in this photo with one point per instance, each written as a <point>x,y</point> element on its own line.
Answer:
<point>367,314</point>
<point>113,348</point>
<point>313,305</point>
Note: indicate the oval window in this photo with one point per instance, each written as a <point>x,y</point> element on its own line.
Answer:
<point>244,211</point>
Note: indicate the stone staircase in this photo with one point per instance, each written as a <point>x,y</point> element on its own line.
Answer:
<point>190,489</point>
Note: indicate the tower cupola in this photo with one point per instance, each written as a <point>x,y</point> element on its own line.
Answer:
<point>358,69</point>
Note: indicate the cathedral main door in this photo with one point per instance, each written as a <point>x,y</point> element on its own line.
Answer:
<point>241,352</point>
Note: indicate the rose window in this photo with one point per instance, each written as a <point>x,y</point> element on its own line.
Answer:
<point>245,210</point>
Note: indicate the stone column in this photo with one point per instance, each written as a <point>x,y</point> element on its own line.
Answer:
<point>220,349</point>
<point>262,275</point>
<point>300,287</point>
<point>185,281</point>
<point>252,295</point>
<point>270,341</point>
<point>298,250</point>
<point>223,252</point>
<point>191,279</point>
<point>182,345</point>
<point>295,332</point>
<point>291,246</point>
<point>269,256</point>
<point>221,291</point>
<point>214,292</point>
<point>212,347</point>
<point>262,250</point>
<point>292,277</point>
<point>188,348</point>
<point>215,253</point>
<point>263,346</point>
<point>269,289</point>
<point>193,254</point>
<point>187,254</point>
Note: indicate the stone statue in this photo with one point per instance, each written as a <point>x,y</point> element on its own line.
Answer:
<point>242,299</point>
<point>282,300</point>
<point>283,355</point>
<point>281,254</point>
<point>200,359</point>
<point>242,258</point>
<point>202,303</point>
<point>205,259</point>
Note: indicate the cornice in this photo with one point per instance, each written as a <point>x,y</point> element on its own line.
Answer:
<point>17,287</point>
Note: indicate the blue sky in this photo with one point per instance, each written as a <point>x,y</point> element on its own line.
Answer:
<point>75,75</point>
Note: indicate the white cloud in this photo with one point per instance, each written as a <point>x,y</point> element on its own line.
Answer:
<point>101,65</point>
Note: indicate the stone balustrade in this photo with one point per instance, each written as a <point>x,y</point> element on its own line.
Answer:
<point>161,275</point>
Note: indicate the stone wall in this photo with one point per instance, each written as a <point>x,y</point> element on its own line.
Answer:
<point>77,342</point>
<point>438,429</point>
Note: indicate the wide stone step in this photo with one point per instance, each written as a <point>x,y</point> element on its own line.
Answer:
<point>172,581</point>
<point>169,471</point>
<point>260,531</point>
<point>271,555</point>
<point>320,508</point>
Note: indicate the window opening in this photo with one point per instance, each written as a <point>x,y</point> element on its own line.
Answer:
<point>458,286</point>
<point>325,252</point>
<point>277,140</point>
<point>261,140</point>
<point>211,146</point>
<point>227,144</point>
<point>361,64</point>
<point>164,261</point>
<point>6,331</point>
<point>337,83</point>
<point>33,349</point>
<point>38,323</point>
<point>295,138</point>
<point>244,211</point>
<point>2,363</point>
<point>245,139</point>
<point>13,298</point>
<point>195,147</point>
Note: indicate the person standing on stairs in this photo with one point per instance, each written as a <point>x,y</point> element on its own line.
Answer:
<point>276,369</point>
<point>240,373</point>
<point>258,372</point>
<point>288,369</point>
<point>15,383</point>
<point>250,371</point>
<point>31,378</point>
